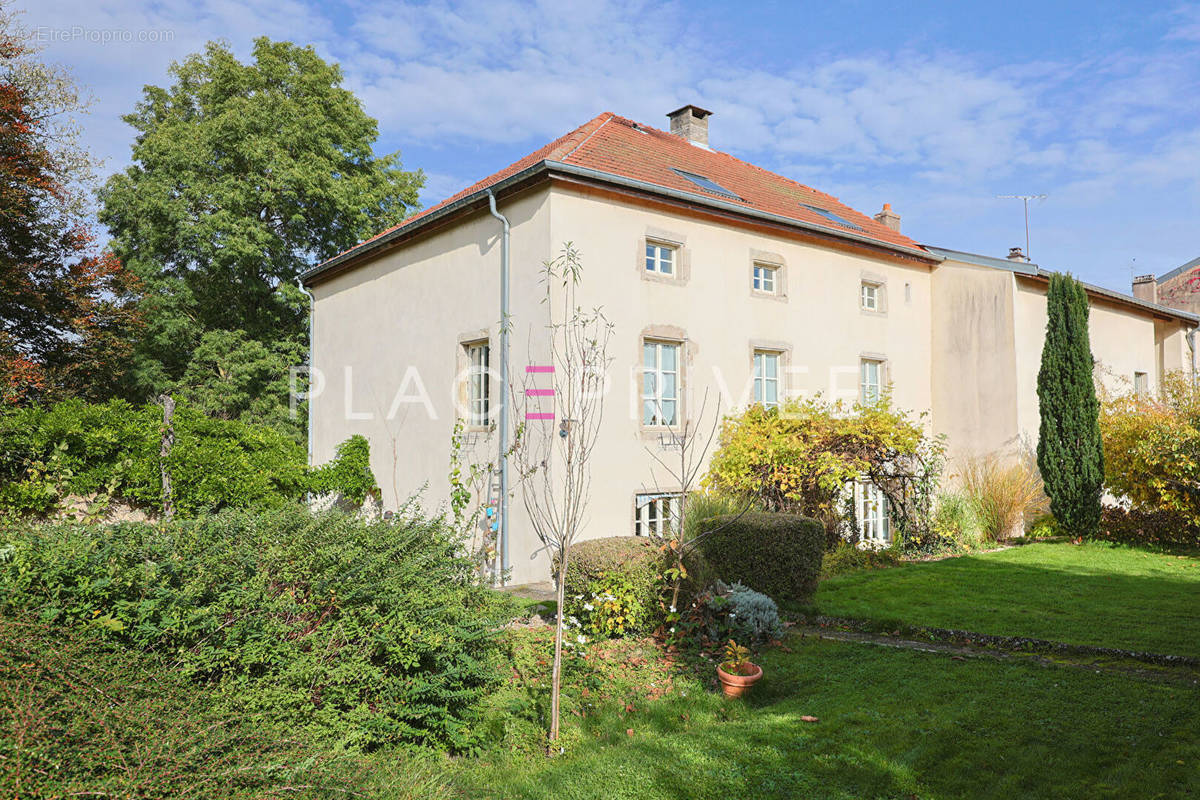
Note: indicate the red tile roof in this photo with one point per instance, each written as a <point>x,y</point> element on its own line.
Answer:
<point>627,149</point>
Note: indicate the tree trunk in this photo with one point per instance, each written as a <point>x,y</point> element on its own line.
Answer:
<point>168,439</point>
<point>556,675</point>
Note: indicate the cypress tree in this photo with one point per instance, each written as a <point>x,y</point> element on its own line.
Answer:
<point>1070,453</point>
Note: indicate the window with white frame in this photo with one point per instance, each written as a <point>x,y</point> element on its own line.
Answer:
<point>660,258</point>
<point>655,514</point>
<point>478,388</point>
<point>1141,383</point>
<point>660,383</point>
<point>766,378</point>
<point>764,278</point>
<point>871,296</point>
<point>871,510</point>
<point>870,384</point>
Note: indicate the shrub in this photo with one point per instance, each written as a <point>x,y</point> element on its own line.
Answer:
<point>81,716</point>
<point>956,522</point>
<point>723,612</point>
<point>632,563</point>
<point>1070,455</point>
<point>1152,450</point>
<point>753,617</point>
<point>779,554</point>
<point>801,456</point>
<point>1164,529</point>
<point>848,558</point>
<point>80,449</point>
<point>1002,493</point>
<point>365,632</point>
<point>612,606</point>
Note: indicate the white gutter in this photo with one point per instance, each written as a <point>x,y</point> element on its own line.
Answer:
<point>504,391</point>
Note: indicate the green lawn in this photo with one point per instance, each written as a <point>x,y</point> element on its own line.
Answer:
<point>1093,594</point>
<point>891,724</point>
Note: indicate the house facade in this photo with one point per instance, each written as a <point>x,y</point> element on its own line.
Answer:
<point>725,285</point>
<point>1178,288</point>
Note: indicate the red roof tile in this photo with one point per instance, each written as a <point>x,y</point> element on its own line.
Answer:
<point>627,149</point>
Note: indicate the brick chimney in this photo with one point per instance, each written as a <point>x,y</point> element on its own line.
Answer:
<point>1017,254</point>
<point>1145,288</point>
<point>691,123</point>
<point>888,217</point>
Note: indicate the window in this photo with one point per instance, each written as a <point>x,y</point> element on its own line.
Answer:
<point>660,383</point>
<point>478,389</point>
<point>832,217</point>
<point>764,278</point>
<point>655,514</point>
<point>706,184</point>
<point>870,381</point>
<point>871,509</point>
<point>1141,383</point>
<point>870,296</point>
<point>660,258</point>
<point>766,378</point>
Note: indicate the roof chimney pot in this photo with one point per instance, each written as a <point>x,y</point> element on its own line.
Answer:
<point>888,218</point>
<point>690,123</point>
<point>1017,254</point>
<point>1145,287</point>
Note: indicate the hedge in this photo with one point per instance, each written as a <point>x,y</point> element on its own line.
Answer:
<point>636,558</point>
<point>363,632</point>
<point>777,554</point>
<point>80,449</point>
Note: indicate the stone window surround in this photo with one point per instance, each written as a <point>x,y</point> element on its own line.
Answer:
<point>784,350</point>
<point>879,281</point>
<point>885,371</point>
<point>633,518</point>
<point>779,264</point>
<point>683,256</point>
<point>670,334</point>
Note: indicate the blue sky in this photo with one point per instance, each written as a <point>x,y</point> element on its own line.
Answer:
<point>935,108</point>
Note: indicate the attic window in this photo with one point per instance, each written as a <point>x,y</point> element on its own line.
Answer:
<point>832,217</point>
<point>705,184</point>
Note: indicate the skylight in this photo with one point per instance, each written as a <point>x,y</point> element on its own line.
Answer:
<point>832,217</point>
<point>705,184</point>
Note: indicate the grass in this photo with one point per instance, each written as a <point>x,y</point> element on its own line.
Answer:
<point>891,724</point>
<point>1092,594</point>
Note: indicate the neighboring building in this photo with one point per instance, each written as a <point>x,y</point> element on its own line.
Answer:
<point>1179,288</point>
<point>718,276</point>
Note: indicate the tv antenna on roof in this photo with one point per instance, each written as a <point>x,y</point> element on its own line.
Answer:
<point>1025,198</point>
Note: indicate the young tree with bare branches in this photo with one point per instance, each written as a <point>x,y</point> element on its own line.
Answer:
<point>562,401</point>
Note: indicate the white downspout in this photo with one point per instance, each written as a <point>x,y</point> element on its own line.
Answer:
<point>504,391</point>
<point>308,393</point>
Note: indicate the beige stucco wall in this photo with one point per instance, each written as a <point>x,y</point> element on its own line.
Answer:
<point>1123,342</point>
<point>818,325</point>
<point>410,310</point>
<point>973,377</point>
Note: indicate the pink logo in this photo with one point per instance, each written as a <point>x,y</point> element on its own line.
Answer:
<point>539,415</point>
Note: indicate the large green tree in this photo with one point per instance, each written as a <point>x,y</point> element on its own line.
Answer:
<point>1070,453</point>
<point>243,175</point>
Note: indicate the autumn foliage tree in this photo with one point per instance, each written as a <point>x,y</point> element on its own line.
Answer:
<point>66,315</point>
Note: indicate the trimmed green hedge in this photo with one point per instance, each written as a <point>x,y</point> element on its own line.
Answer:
<point>365,633</point>
<point>636,558</point>
<point>777,554</point>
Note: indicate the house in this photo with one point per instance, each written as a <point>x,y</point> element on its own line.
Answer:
<point>720,279</point>
<point>1179,288</point>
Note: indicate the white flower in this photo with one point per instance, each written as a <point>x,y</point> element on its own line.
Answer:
<point>587,606</point>
<point>581,638</point>
<point>672,629</point>
<point>672,609</point>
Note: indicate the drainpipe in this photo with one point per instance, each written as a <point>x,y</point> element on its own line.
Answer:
<point>1190,337</point>
<point>504,391</point>
<point>308,394</point>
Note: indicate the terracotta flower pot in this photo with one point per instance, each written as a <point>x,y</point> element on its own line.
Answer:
<point>737,685</point>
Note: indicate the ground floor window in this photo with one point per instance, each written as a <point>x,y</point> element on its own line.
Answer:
<point>655,514</point>
<point>871,509</point>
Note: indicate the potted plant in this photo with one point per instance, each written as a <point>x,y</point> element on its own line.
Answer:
<point>736,672</point>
